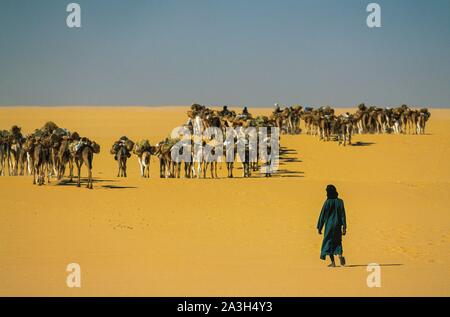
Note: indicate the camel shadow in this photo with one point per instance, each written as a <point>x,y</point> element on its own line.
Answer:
<point>67,182</point>
<point>365,265</point>
<point>118,187</point>
<point>284,157</point>
<point>288,173</point>
<point>363,143</point>
<point>287,156</point>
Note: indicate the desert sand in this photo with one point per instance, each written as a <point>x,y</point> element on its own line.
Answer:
<point>228,237</point>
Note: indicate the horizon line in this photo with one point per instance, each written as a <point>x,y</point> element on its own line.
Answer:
<point>208,105</point>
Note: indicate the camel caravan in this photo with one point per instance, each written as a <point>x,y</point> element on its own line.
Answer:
<point>46,153</point>
<point>323,122</point>
<point>207,140</point>
<point>195,150</point>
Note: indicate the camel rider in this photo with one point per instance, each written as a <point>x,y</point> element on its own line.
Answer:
<point>225,111</point>
<point>245,114</point>
<point>277,108</point>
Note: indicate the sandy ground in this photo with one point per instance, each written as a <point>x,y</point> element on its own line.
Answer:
<point>229,237</point>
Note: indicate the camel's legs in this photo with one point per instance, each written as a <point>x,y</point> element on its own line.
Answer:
<point>34,175</point>
<point>49,172</point>
<point>41,174</point>
<point>199,169</point>
<point>71,169</point>
<point>55,164</point>
<point>30,165</point>
<point>205,168</point>
<point>89,179</point>
<point>10,165</point>
<point>79,174</point>
<point>141,167</point>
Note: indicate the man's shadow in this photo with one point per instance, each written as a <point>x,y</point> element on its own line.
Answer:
<point>366,265</point>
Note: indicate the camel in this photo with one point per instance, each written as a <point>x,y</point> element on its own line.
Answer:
<point>177,160</point>
<point>12,147</point>
<point>344,129</point>
<point>230,150</point>
<point>121,156</point>
<point>64,158</point>
<point>424,116</point>
<point>28,150</point>
<point>41,156</point>
<point>143,150</point>
<point>267,157</point>
<point>163,152</point>
<point>14,156</point>
<point>325,126</point>
<point>243,149</point>
<point>56,137</point>
<point>23,162</point>
<point>121,150</point>
<point>83,153</point>
<point>413,120</point>
<point>197,159</point>
<point>308,118</point>
<point>210,160</point>
<point>189,162</point>
<point>277,117</point>
<point>3,152</point>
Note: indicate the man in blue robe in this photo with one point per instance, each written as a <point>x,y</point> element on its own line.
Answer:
<point>332,217</point>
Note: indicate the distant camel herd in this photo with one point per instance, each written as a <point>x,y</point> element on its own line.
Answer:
<point>47,151</point>
<point>323,122</point>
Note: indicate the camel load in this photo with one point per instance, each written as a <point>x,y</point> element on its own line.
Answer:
<point>141,147</point>
<point>122,142</point>
<point>261,121</point>
<point>78,145</point>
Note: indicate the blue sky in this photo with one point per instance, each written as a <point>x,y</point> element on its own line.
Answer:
<point>252,52</point>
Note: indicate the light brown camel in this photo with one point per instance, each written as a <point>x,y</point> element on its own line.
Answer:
<point>64,158</point>
<point>40,162</point>
<point>84,155</point>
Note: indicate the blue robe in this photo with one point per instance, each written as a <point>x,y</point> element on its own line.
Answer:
<point>332,217</point>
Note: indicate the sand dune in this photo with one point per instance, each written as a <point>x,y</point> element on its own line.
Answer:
<point>229,237</point>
